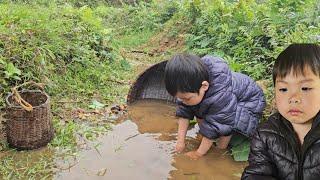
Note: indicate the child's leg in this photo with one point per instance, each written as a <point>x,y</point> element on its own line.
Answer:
<point>223,142</point>
<point>199,121</point>
<point>199,136</point>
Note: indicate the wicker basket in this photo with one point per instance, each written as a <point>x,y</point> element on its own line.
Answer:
<point>29,129</point>
<point>150,85</point>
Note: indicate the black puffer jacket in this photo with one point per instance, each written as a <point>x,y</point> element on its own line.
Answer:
<point>276,153</point>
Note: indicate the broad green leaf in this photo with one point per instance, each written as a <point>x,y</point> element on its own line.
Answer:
<point>11,71</point>
<point>2,61</point>
<point>240,148</point>
<point>241,151</point>
<point>96,105</point>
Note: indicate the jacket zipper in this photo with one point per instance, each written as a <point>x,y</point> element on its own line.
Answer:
<point>300,157</point>
<point>305,147</point>
<point>297,148</point>
<point>301,150</point>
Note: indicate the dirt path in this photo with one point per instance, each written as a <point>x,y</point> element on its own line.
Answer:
<point>2,133</point>
<point>141,145</point>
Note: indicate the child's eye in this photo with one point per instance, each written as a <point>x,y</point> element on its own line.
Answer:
<point>283,89</point>
<point>306,89</point>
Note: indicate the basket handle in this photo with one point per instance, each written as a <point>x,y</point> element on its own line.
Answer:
<point>16,95</point>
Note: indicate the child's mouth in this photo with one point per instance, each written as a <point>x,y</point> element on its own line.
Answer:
<point>294,112</point>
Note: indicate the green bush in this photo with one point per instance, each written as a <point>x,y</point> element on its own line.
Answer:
<point>75,3</point>
<point>37,43</point>
<point>42,40</point>
<point>143,16</point>
<point>249,33</point>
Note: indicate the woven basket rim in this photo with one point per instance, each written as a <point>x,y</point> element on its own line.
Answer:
<point>134,93</point>
<point>33,91</point>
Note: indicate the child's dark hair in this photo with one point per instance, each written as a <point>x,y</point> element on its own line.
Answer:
<point>185,73</point>
<point>295,58</point>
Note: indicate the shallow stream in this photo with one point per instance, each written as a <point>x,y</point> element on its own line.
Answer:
<point>141,146</point>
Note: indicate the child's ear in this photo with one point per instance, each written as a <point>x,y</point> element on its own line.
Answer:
<point>205,85</point>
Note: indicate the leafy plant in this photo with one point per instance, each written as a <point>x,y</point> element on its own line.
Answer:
<point>96,105</point>
<point>11,72</point>
<point>250,33</point>
<point>240,148</point>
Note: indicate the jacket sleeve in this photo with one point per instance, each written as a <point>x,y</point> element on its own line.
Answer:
<point>219,122</point>
<point>220,117</point>
<point>260,165</point>
<point>184,111</point>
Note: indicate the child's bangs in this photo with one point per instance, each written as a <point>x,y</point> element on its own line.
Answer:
<point>295,66</point>
<point>296,69</point>
<point>297,58</point>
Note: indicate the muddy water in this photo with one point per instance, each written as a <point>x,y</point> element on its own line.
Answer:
<point>142,147</point>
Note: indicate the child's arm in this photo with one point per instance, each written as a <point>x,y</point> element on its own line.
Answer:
<point>183,125</point>
<point>260,164</point>
<point>204,146</point>
<point>202,150</point>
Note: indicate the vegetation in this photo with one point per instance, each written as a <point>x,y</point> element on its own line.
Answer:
<point>76,49</point>
<point>250,34</point>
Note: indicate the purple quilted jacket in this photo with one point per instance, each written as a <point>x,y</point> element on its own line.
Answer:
<point>233,102</point>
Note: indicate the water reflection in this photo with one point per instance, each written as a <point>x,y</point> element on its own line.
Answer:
<point>142,147</point>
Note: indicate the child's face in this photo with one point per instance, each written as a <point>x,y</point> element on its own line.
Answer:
<point>192,99</point>
<point>298,96</point>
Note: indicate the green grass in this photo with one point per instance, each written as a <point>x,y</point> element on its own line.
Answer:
<point>76,54</point>
<point>41,164</point>
<point>24,165</point>
<point>102,81</point>
<point>134,39</point>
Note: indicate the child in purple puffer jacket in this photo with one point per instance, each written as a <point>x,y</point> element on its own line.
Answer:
<point>222,101</point>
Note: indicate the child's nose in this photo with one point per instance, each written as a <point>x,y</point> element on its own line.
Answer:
<point>294,101</point>
<point>295,98</point>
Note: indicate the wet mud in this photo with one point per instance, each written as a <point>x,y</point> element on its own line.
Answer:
<point>141,146</point>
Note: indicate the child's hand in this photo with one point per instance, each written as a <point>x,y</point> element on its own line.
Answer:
<point>180,147</point>
<point>194,155</point>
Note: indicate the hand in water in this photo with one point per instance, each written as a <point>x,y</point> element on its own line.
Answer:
<point>180,147</point>
<point>194,155</point>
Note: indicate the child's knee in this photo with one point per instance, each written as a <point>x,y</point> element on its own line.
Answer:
<point>199,121</point>
<point>223,142</point>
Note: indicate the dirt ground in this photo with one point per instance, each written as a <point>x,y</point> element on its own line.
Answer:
<point>2,134</point>
<point>2,130</point>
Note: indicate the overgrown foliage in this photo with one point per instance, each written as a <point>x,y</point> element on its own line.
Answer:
<point>72,49</point>
<point>42,43</point>
<point>249,33</point>
<point>143,16</point>
<point>75,48</point>
<point>42,40</point>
